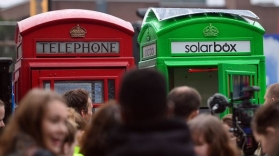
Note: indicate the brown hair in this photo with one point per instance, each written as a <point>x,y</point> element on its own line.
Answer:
<point>209,129</point>
<point>186,100</point>
<point>266,116</point>
<point>227,119</point>
<point>77,99</point>
<point>2,103</point>
<point>143,95</point>
<point>272,92</point>
<point>107,116</point>
<point>70,138</point>
<point>77,119</point>
<point>28,118</point>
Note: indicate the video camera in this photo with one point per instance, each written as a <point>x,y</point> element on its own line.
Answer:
<point>242,114</point>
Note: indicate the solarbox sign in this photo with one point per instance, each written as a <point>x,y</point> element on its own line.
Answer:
<point>210,47</point>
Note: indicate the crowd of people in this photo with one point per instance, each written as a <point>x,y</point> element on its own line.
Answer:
<point>145,120</point>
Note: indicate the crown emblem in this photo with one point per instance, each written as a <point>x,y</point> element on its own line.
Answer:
<point>78,31</point>
<point>210,31</point>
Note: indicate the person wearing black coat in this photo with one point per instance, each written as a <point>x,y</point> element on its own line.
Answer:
<point>147,130</point>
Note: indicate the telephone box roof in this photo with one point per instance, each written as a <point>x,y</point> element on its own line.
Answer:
<point>167,13</point>
<point>164,20</point>
<point>72,15</point>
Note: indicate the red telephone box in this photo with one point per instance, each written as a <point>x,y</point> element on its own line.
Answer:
<point>68,49</point>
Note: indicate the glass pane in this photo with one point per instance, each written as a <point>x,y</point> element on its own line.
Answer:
<point>111,89</point>
<point>183,2</point>
<point>95,88</point>
<point>97,92</point>
<point>16,91</point>
<point>240,81</point>
<point>46,85</point>
<point>229,85</point>
<point>253,84</point>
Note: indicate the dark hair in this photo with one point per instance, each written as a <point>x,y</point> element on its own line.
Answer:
<point>143,95</point>
<point>77,99</point>
<point>266,116</point>
<point>208,129</point>
<point>2,103</point>
<point>95,136</point>
<point>273,91</point>
<point>186,100</point>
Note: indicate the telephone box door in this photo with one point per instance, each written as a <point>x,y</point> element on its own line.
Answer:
<point>102,84</point>
<point>233,77</point>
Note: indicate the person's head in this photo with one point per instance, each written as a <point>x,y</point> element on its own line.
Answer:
<point>272,92</point>
<point>2,113</point>
<point>77,119</point>
<point>210,137</point>
<point>106,118</point>
<point>186,100</point>
<point>265,125</point>
<point>79,123</point>
<point>80,100</point>
<point>227,119</point>
<point>227,123</point>
<point>142,95</point>
<point>41,114</point>
<point>69,143</point>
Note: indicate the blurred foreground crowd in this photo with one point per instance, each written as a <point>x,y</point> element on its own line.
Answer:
<point>146,120</point>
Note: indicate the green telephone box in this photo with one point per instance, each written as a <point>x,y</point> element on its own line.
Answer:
<point>212,50</point>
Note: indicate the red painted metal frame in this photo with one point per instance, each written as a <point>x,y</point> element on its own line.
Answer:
<point>30,77</point>
<point>202,70</point>
<point>55,26</point>
<point>64,75</point>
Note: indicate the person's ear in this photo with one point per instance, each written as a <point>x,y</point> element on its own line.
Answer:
<point>270,131</point>
<point>193,114</point>
<point>82,113</point>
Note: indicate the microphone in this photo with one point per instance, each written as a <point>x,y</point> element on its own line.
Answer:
<point>215,107</point>
<point>217,103</point>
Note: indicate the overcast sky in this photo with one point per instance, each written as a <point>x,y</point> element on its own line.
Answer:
<point>8,3</point>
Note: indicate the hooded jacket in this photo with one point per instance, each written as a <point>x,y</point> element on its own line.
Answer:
<point>166,137</point>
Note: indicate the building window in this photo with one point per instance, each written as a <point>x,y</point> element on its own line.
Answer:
<point>186,3</point>
<point>265,2</point>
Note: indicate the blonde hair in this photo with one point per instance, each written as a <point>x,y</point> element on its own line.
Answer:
<point>76,118</point>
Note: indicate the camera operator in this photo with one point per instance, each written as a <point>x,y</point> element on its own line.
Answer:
<point>265,125</point>
<point>227,123</point>
<point>242,113</point>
